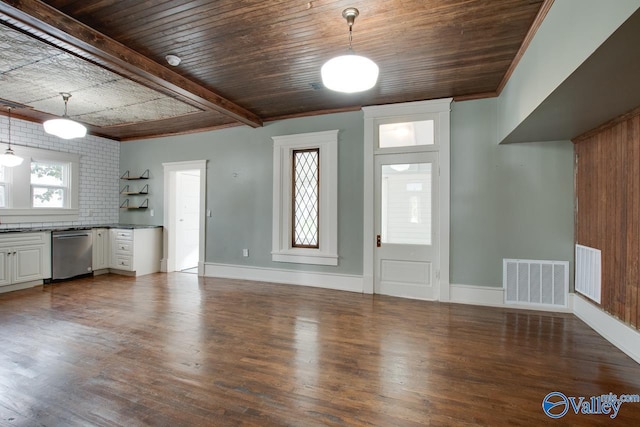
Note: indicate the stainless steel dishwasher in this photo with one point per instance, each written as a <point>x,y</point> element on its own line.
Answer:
<point>71,253</point>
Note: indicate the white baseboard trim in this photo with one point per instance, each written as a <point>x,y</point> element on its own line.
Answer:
<point>20,286</point>
<point>493,296</point>
<point>476,295</point>
<point>613,330</point>
<point>341,282</point>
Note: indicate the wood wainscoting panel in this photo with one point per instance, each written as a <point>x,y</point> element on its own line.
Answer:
<point>608,211</point>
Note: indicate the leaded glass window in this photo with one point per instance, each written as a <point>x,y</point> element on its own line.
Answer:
<point>306,200</point>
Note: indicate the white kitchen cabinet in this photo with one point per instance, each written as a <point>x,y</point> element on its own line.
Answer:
<point>136,251</point>
<point>101,249</point>
<point>24,257</point>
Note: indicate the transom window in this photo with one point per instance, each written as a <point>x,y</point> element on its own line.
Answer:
<point>406,134</point>
<point>306,200</point>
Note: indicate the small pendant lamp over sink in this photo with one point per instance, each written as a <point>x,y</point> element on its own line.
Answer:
<point>65,128</point>
<point>349,73</point>
<point>9,158</point>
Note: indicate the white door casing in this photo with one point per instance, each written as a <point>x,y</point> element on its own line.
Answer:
<point>439,112</point>
<point>168,263</point>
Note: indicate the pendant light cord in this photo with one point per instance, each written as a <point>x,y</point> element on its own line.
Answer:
<point>65,98</point>
<point>9,115</point>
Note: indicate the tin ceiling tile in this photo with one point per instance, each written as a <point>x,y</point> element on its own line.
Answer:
<point>19,49</point>
<point>157,109</point>
<point>34,73</point>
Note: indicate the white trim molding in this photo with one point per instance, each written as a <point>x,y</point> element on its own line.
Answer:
<point>283,147</point>
<point>477,295</point>
<point>613,330</point>
<point>168,262</point>
<point>440,111</point>
<point>341,282</point>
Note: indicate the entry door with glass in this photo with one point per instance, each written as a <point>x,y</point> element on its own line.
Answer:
<point>406,221</point>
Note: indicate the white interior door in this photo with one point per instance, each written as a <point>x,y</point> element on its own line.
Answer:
<point>187,219</point>
<point>406,222</point>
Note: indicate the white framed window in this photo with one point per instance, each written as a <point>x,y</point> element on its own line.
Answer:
<point>305,198</point>
<point>4,186</point>
<point>49,184</point>
<point>44,187</point>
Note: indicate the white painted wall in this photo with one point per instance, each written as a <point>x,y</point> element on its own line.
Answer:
<point>570,33</point>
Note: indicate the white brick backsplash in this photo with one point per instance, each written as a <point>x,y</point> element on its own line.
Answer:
<point>99,171</point>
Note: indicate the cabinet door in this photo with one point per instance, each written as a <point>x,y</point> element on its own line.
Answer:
<point>28,263</point>
<point>100,248</point>
<point>5,267</point>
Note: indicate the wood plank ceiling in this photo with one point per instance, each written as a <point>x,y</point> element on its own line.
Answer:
<point>251,61</point>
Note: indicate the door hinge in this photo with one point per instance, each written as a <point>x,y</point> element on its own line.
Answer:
<point>378,241</point>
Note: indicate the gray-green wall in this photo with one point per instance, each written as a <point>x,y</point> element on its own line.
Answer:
<point>512,201</point>
<point>239,187</point>
<point>571,31</point>
<point>507,201</point>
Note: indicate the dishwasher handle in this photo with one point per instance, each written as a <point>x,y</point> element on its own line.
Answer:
<point>72,236</point>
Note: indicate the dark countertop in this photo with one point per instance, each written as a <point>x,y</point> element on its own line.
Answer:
<point>76,227</point>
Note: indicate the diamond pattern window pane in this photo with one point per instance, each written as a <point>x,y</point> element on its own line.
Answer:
<point>306,201</point>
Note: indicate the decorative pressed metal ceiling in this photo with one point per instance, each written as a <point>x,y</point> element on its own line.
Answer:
<point>34,73</point>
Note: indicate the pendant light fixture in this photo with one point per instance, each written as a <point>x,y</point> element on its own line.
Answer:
<point>349,73</point>
<point>9,158</point>
<point>65,128</point>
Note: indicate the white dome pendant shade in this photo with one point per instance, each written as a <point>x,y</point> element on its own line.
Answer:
<point>349,73</point>
<point>65,128</point>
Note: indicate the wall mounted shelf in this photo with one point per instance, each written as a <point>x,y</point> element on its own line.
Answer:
<point>127,192</point>
<point>144,175</point>
<point>125,205</point>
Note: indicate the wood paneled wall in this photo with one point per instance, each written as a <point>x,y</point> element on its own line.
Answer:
<point>608,209</point>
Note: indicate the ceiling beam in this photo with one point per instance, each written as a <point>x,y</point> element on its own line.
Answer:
<point>52,26</point>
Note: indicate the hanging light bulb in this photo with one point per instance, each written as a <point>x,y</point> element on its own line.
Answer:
<point>349,73</point>
<point>65,128</point>
<point>9,158</point>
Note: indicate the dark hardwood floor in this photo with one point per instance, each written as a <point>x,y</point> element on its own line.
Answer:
<point>178,350</point>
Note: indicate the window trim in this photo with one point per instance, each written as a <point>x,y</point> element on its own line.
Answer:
<point>282,249</point>
<point>20,208</point>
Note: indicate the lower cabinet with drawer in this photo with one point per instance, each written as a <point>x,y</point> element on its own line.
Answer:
<point>136,251</point>
<point>25,258</point>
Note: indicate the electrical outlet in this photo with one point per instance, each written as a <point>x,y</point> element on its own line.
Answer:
<point>151,212</point>
<point>245,252</point>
